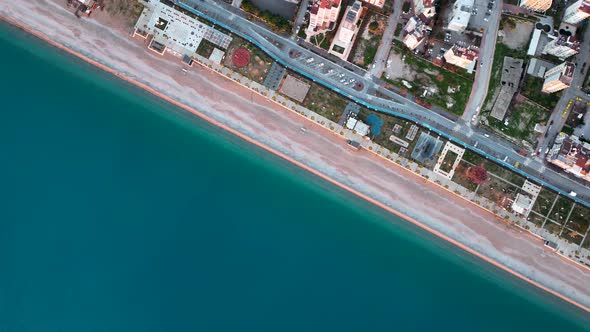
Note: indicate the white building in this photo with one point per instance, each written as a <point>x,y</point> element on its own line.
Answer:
<point>424,7</point>
<point>577,12</point>
<point>360,127</point>
<point>342,43</point>
<point>322,16</point>
<point>460,15</point>
<point>378,3</point>
<point>416,31</point>
<point>175,30</point>
<point>464,57</point>
<point>535,5</point>
<point>562,47</point>
<point>522,204</point>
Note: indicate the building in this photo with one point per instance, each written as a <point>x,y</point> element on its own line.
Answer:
<point>511,72</point>
<point>522,204</point>
<point>416,31</point>
<point>572,155</point>
<point>424,7</point>
<point>360,127</point>
<point>322,16</point>
<point>378,3</point>
<point>344,39</point>
<point>460,15</point>
<point>577,12</point>
<point>177,31</point>
<point>558,77</point>
<point>464,57</point>
<point>562,47</point>
<point>535,5</point>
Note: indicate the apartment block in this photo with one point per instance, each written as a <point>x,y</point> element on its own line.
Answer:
<point>562,47</point>
<point>571,155</point>
<point>577,12</point>
<point>342,43</point>
<point>535,5</point>
<point>559,77</point>
<point>460,56</point>
<point>323,16</point>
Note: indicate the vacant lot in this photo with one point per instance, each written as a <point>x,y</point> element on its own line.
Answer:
<point>432,84</point>
<point>324,102</point>
<point>521,120</point>
<point>532,90</point>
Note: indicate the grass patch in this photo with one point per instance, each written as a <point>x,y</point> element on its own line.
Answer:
<point>324,102</point>
<point>398,29</point>
<point>579,220</point>
<point>561,209</point>
<point>498,191</point>
<point>447,163</point>
<point>544,201</point>
<point>532,90</point>
<point>205,48</point>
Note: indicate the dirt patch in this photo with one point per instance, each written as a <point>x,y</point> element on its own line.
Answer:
<point>519,36</point>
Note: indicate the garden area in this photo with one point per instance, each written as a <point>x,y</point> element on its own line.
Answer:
<point>499,191</point>
<point>206,48</point>
<point>391,126</point>
<point>247,59</point>
<point>561,209</point>
<point>579,219</point>
<point>448,162</point>
<point>544,201</point>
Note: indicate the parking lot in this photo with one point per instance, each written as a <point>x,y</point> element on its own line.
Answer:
<point>328,70</point>
<point>480,13</point>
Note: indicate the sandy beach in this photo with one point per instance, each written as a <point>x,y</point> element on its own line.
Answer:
<point>106,44</point>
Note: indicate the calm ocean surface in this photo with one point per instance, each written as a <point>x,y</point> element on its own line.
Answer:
<point>120,213</point>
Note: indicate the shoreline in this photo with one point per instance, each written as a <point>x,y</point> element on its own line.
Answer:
<point>283,156</point>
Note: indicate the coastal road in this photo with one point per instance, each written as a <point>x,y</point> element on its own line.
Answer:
<point>483,73</point>
<point>281,48</point>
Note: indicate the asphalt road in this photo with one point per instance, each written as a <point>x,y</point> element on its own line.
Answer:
<point>385,46</point>
<point>281,47</point>
<point>482,75</point>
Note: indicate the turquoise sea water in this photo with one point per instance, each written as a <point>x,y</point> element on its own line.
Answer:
<point>120,213</point>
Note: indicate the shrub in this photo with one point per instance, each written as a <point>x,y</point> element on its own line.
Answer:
<point>477,174</point>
